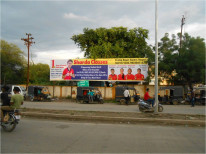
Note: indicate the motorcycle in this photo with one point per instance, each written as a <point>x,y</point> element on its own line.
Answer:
<point>13,119</point>
<point>145,106</point>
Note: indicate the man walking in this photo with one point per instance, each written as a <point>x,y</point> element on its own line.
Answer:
<point>192,98</point>
<point>126,96</point>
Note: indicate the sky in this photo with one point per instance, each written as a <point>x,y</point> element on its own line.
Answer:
<point>53,23</point>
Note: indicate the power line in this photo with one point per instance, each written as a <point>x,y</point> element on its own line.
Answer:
<point>28,42</point>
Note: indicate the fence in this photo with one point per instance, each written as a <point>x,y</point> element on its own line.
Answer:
<point>107,92</point>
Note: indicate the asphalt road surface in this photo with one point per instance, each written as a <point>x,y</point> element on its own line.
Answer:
<point>112,107</point>
<point>44,136</point>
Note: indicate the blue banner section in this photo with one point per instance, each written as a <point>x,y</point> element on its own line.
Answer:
<point>90,72</point>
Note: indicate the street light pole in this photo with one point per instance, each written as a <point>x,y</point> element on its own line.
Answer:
<point>156,57</point>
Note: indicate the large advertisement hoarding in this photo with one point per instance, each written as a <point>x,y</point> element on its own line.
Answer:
<point>117,69</point>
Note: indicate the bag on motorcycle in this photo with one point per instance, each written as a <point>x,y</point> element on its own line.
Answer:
<point>6,117</point>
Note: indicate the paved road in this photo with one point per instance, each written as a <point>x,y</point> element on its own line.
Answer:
<point>43,136</point>
<point>112,107</point>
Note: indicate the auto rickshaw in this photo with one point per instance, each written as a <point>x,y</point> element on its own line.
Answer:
<point>134,95</point>
<point>38,93</point>
<point>172,95</point>
<point>83,96</point>
<point>200,95</point>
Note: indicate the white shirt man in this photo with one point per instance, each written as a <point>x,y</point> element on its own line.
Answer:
<point>126,93</point>
<point>126,96</point>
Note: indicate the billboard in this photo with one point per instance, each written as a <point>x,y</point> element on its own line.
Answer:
<point>115,69</point>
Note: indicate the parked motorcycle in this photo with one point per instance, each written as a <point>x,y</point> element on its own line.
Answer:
<point>13,119</point>
<point>145,106</point>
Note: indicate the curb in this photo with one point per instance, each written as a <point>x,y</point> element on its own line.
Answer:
<point>107,119</point>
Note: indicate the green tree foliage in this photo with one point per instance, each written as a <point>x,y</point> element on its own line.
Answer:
<point>39,73</point>
<point>168,54</point>
<point>116,42</point>
<point>191,61</point>
<point>188,62</point>
<point>12,64</point>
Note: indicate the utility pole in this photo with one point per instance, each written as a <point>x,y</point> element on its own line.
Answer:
<point>156,56</point>
<point>182,23</point>
<point>28,42</point>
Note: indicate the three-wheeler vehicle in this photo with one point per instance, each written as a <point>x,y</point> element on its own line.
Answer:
<point>83,95</point>
<point>200,95</point>
<point>119,95</point>
<point>172,95</point>
<point>38,93</point>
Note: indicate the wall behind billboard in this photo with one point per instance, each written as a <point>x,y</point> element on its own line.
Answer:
<point>121,69</point>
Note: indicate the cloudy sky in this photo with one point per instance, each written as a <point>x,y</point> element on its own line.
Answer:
<point>52,23</point>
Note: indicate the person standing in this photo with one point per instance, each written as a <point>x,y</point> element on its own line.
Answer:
<point>192,98</point>
<point>15,103</point>
<point>92,95</point>
<point>89,96</point>
<point>126,96</point>
<point>148,98</point>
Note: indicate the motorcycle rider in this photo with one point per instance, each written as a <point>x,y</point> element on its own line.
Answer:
<point>148,98</point>
<point>5,96</point>
<point>15,103</point>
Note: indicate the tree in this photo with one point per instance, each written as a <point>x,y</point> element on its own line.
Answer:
<point>191,61</point>
<point>116,42</point>
<point>12,64</point>
<point>185,65</point>
<point>39,73</point>
<point>168,54</point>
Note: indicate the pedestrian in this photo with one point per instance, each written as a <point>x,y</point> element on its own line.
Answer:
<point>89,95</point>
<point>126,96</point>
<point>92,95</point>
<point>192,98</point>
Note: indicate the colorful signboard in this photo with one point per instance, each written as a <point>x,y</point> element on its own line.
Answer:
<point>121,69</point>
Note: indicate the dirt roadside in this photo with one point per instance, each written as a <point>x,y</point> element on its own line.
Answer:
<point>117,117</point>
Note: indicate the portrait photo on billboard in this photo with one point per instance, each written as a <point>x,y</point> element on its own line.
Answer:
<point>127,72</point>
<point>68,72</point>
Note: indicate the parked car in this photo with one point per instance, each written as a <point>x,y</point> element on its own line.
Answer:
<point>119,96</point>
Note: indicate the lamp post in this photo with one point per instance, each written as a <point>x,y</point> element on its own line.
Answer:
<point>156,57</point>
